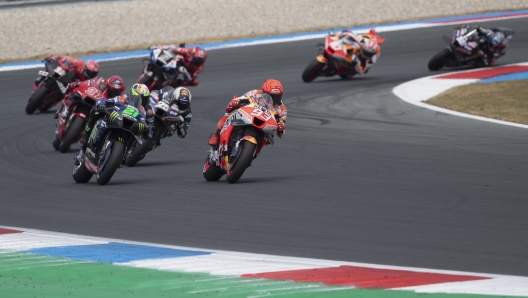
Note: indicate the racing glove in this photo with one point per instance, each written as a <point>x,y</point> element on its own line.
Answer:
<point>233,104</point>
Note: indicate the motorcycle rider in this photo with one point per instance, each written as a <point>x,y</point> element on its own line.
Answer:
<point>180,99</point>
<point>362,50</point>
<point>111,87</point>
<point>271,92</point>
<point>138,96</point>
<point>83,70</point>
<point>192,64</point>
<point>494,48</point>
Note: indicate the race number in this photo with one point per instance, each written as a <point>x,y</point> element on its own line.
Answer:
<point>94,92</point>
<point>260,113</point>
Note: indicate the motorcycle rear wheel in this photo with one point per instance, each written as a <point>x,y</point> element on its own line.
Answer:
<point>439,60</point>
<point>73,134</point>
<point>36,99</point>
<point>312,71</point>
<point>241,162</point>
<point>108,168</point>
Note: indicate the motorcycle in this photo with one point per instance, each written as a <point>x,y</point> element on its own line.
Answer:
<point>155,74</point>
<point>106,148</point>
<point>331,59</point>
<point>75,113</point>
<point>165,119</point>
<point>455,55</point>
<point>242,137</point>
<point>52,85</point>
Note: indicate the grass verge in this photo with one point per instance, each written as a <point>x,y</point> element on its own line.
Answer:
<point>507,101</point>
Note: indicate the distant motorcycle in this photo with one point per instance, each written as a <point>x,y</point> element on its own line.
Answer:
<point>104,151</point>
<point>166,116</point>
<point>245,132</point>
<point>155,74</point>
<point>53,85</point>
<point>331,59</point>
<point>74,116</point>
<point>455,55</point>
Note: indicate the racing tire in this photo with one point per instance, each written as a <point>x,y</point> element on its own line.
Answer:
<point>56,143</point>
<point>138,153</point>
<point>108,168</point>
<point>312,71</point>
<point>36,99</point>
<point>81,175</point>
<point>211,172</point>
<point>438,61</point>
<point>73,134</point>
<point>242,161</point>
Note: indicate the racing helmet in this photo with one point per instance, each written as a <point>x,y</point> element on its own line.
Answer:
<point>182,98</point>
<point>498,40</point>
<point>141,91</point>
<point>198,56</point>
<point>274,89</point>
<point>115,86</point>
<point>90,69</point>
<point>368,48</point>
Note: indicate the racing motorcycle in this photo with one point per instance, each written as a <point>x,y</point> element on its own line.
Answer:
<point>53,85</point>
<point>455,55</point>
<point>108,144</point>
<point>155,74</point>
<point>74,115</point>
<point>331,59</point>
<point>165,119</point>
<point>243,135</point>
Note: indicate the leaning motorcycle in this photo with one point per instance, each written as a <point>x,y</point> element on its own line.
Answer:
<point>166,117</point>
<point>455,55</point>
<point>53,85</point>
<point>245,132</point>
<point>155,74</point>
<point>331,59</point>
<point>74,116</point>
<point>108,143</point>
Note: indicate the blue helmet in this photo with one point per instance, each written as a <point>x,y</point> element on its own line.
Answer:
<point>497,41</point>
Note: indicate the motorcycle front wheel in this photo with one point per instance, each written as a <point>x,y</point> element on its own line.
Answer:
<point>439,60</point>
<point>36,99</point>
<point>210,171</point>
<point>312,71</point>
<point>241,162</point>
<point>111,163</point>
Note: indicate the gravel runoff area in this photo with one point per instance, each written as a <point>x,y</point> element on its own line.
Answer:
<point>92,27</point>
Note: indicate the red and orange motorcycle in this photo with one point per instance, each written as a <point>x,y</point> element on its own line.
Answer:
<point>75,111</point>
<point>331,59</point>
<point>245,132</point>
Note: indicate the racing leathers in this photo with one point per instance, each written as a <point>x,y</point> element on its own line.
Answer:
<point>362,50</point>
<point>184,114</point>
<point>477,41</point>
<point>253,96</point>
<point>187,67</point>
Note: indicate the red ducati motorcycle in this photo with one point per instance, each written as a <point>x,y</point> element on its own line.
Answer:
<point>75,111</point>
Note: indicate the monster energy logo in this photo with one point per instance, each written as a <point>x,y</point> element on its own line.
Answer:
<point>113,116</point>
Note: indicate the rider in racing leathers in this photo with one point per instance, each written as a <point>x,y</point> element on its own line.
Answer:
<point>83,70</point>
<point>362,50</point>
<point>138,96</point>
<point>495,47</point>
<point>180,99</point>
<point>111,87</point>
<point>271,92</point>
<point>193,63</point>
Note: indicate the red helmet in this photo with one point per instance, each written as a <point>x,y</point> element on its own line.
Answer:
<point>91,69</point>
<point>274,89</point>
<point>198,57</point>
<point>115,86</point>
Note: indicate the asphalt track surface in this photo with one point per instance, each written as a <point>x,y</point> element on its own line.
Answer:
<point>359,176</point>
